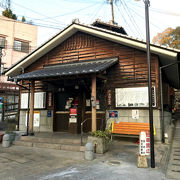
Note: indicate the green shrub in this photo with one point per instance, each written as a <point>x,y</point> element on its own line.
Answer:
<point>102,134</point>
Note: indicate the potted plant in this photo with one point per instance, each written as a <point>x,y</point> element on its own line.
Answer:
<point>101,140</point>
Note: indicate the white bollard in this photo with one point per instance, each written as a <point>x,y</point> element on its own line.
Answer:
<point>6,141</point>
<point>89,151</point>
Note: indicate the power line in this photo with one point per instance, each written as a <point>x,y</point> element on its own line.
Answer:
<point>124,18</point>
<point>125,12</point>
<point>65,14</point>
<point>31,10</point>
<point>159,10</point>
<point>131,17</point>
<point>37,24</point>
<point>143,18</point>
<point>98,10</point>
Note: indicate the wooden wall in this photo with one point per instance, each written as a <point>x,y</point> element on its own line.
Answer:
<point>130,72</point>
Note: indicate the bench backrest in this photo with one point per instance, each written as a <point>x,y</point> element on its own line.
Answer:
<point>133,128</point>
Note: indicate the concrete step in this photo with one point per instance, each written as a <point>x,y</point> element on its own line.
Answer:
<point>50,140</point>
<point>58,146</point>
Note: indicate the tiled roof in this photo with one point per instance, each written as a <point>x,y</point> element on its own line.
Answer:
<point>75,68</point>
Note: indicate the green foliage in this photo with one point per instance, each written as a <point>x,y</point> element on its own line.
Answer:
<point>23,19</point>
<point>9,14</point>
<point>102,134</point>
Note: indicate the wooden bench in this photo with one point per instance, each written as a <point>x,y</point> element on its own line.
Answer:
<point>128,128</point>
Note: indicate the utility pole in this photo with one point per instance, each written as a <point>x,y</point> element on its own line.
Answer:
<point>112,10</point>
<point>9,4</point>
<point>147,4</point>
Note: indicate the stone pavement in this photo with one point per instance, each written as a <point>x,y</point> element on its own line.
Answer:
<point>120,162</point>
<point>173,170</point>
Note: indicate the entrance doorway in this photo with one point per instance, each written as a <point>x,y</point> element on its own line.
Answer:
<point>66,99</point>
<point>80,98</point>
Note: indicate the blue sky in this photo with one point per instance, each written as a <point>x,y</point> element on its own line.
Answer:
<point>51,16</point>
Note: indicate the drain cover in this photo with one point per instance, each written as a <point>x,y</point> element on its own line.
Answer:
<point>114,162</point>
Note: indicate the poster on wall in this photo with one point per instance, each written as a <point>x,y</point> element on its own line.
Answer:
<point>36,118</point>
<point>135,114</point>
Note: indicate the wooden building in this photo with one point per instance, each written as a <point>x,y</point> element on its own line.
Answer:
<point>85,73</point>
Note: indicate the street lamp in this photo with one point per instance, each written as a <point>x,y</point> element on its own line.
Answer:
<point>147,4</point>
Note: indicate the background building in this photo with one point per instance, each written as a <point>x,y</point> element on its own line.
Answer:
<point>17,39</point>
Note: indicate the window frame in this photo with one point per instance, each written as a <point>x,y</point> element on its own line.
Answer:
<point>21,46</point>
<point>2,38</point>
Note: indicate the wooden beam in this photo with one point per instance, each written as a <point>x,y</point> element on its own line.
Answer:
<point>100,76</point>
<point>93,97</point>
<point>31,108</point>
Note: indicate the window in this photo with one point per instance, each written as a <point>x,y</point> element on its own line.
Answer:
<point>21,46</point>
<point>39,100</point>
<point>134,97</point>
<point>2,42</point>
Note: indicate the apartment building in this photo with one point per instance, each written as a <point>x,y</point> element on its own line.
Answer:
<point>17,39</point>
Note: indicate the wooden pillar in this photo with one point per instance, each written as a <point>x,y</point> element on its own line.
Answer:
<point>93,100</point>
<point>31,108</point>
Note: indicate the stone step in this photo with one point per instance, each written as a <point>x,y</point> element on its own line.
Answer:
<point>68,147</point>
<point>51,140</point>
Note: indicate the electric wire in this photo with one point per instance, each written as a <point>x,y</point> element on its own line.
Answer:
<point>139,15</point>
<point>126,23</point>
<point>70,13</point>
<point>159,10</point>
<point>98,10</point>
<point>131,18</point>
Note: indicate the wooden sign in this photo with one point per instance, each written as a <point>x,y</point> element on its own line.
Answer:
<point>109,97</point>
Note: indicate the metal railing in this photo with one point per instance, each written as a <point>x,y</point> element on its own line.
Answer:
<point>82,123</point>
<point>82,130</point>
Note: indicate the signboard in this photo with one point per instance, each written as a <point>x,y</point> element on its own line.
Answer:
<point>109,97</point>
<point>113,114</point>
<point>134,97</point>
<point>49,113</point>
<point>49,100</point>
<point>73,111</point>
<point>36,118</point>
<point>73,119</point>
<point>144,144</point>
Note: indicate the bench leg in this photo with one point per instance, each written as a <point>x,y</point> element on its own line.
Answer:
<point>111,137</point>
